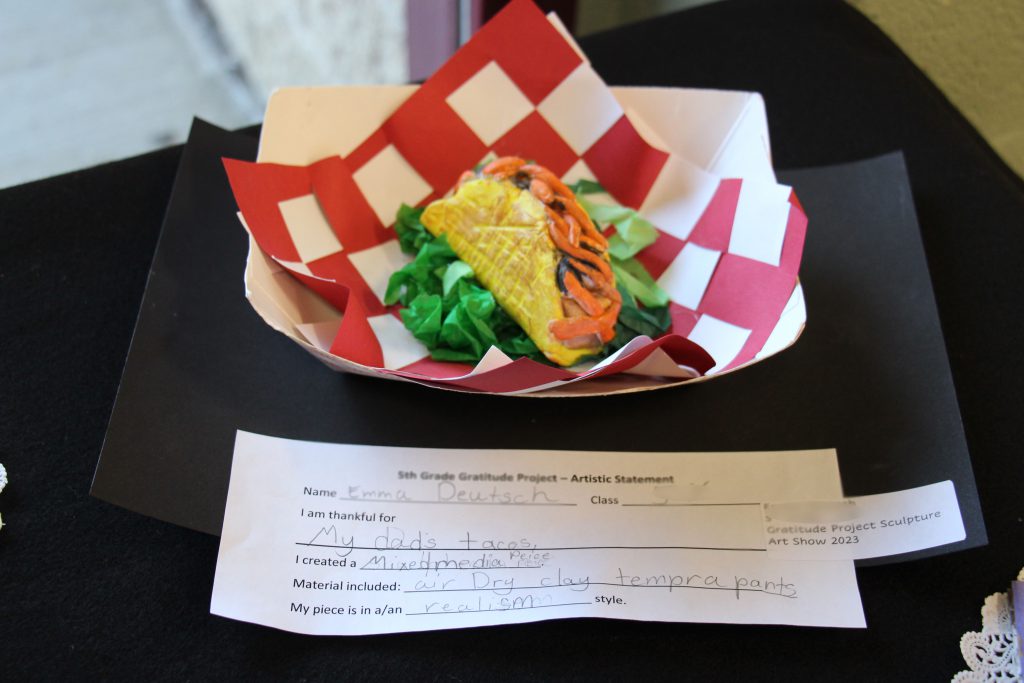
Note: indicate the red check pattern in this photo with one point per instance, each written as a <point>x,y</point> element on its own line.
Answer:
<point>417,154</point>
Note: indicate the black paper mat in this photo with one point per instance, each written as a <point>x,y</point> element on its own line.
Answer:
<point>869,376</point>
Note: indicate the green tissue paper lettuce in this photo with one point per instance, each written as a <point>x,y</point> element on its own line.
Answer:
<point>444,306</point>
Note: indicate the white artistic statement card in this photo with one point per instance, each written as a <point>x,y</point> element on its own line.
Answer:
<point>337,539</point>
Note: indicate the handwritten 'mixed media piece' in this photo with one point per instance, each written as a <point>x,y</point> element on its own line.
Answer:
<point>346,539</point>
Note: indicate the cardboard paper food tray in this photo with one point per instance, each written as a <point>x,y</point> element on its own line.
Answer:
<point>336,162</point>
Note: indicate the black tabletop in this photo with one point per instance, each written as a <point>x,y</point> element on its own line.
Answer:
<point>90,591</point>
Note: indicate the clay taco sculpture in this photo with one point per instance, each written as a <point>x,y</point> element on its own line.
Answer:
<point>529,242</point>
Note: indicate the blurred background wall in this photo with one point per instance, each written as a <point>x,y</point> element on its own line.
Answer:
<point>315,41</point>
<point>92,80</point>
<point>974,51</point>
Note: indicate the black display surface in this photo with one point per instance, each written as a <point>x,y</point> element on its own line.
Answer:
<point>89,591</point>
<point>203,364</point>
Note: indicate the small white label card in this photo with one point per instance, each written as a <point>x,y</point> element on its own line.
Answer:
<point>347,539</point>
<point>867,526</point>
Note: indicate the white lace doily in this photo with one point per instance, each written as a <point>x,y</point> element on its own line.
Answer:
<point>994,653</point>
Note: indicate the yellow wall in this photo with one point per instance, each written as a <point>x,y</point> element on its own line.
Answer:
<point>974,51</point>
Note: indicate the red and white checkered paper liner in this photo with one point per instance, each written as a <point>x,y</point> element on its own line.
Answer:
<point>730,237</point>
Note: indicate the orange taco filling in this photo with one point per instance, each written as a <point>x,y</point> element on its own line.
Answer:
<point>590,299</point>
